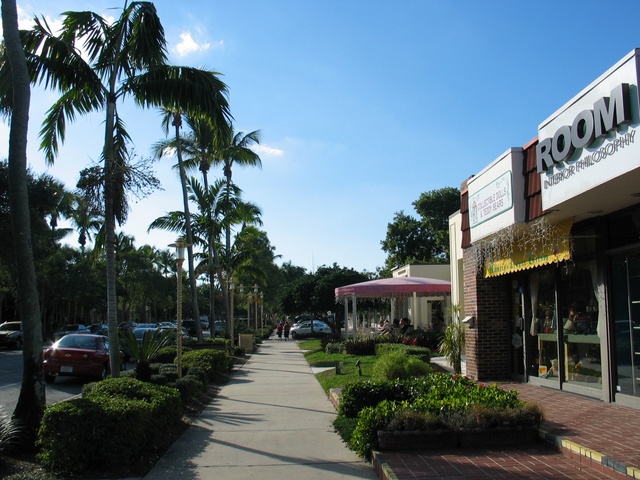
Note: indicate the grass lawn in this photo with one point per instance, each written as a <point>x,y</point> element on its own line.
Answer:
<point>349,373</point>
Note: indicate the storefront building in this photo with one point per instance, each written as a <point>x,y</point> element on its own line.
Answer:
<point>550,237</point>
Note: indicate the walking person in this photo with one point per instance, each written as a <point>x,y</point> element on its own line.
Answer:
<point>286,329</point>
<point>279,329</point>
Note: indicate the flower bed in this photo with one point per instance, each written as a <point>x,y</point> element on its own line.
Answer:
<point>436,411</point>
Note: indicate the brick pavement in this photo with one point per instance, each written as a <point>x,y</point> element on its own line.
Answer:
<point>585,439</point>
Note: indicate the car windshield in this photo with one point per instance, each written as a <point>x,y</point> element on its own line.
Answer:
<point>78,341</point>
<point>10,327</point>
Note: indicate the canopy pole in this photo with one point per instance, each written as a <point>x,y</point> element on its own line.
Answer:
<point>346,318</point>
<point>354,317</point>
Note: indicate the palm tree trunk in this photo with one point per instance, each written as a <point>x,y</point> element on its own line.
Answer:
<point>110,227</point>
<point>177,122</point>
<point>31,402</point>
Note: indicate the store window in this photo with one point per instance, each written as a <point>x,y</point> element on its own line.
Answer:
<point>543,331</point>
<point>625,301</point>
<point>580,307</point>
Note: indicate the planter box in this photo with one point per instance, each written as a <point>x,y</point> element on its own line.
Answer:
<point>417,439</point>
<point>498,437</point>
<point>426,440</point>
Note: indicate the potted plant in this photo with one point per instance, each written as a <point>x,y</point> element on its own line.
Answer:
<point>453,342</point>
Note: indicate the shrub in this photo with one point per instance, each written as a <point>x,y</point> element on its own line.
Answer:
<point>360,346</point>
<point>168,370</point>
<point>422,353</point>
<point>159,379</point>
<point>198,372</point>
<point>406,420</point>
<point>163,400</point>
<point>9,432</point>
<point>166,354</point>
<point>79,434</point>
<point>421,338</point>
<point>399,365</point>
<point>364,438</point>
<point>345,427</point>
<point>189,386</point>
<point>334,347</point>
<point>214,362</point>
<point>359,395</point>
<point>439,400</point>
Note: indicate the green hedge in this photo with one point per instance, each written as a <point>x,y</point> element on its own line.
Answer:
<point>214,362</point>
<point>114,422</point>
<point>423,353</point>
<point>359,395</point>
<point>398,365</point>
<point>434,401</point>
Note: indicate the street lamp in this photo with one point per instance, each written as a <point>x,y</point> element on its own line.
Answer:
<point>255,300</point>
<point>232,288</point>
<point>180,245</point>
<point>249,302</point>
<point>261,311</point>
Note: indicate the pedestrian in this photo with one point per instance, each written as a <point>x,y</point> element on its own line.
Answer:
<point>279,329</point>
<point>395,327</point>
<point>405,326</point>
<point>286,329</point>
<point>385,328</point>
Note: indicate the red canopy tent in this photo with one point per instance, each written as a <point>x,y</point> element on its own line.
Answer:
<point>395,288</point>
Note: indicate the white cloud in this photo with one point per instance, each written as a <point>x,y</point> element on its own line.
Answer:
<point>188,45</point>
<point>267,151</point>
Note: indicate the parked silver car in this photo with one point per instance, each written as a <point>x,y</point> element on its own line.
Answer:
<point>303,329</point>
<point>11,335</point>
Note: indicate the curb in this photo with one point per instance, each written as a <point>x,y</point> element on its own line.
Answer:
<point>593,458</point>
<point>383,471</point>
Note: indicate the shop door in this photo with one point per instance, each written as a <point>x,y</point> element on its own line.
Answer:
<point>625,291</point>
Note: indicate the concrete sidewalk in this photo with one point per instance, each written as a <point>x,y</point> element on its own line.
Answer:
<point>272,420</point>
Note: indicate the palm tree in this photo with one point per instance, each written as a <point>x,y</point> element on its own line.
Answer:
<point>218,206</point>
<point>32,399</point>
<point>197,149</point>
<point>85,220</point>
<point>236,151</point>
<point>175,118</point>
<point>126,57</point>
<point>143,352</point>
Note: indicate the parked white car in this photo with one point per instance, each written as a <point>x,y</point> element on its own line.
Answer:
<point>303,329</point>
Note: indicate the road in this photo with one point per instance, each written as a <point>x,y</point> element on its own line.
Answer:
<point>11,379</point>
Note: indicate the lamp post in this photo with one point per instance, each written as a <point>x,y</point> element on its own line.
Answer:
<point>249,302</point>
<point>241,289</point>
<point>255,300</point>
<point>232,288</point>
<point>180,245</point>
<point>261,310</point>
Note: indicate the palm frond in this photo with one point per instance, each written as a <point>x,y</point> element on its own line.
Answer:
<point>192,90</point>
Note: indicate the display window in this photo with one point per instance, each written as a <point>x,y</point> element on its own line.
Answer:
<point>544,324</point>
<point>580,307</point>
<point>567,325</point>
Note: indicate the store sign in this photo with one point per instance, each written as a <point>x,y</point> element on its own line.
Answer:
<point>591,140</point>
<point>492,200</point>
<point>588,126</point>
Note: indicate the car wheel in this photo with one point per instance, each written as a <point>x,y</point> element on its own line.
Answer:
<point>18,344</point>
<point>49,378</point>
<point>294,335</point>
<point>105,372</point>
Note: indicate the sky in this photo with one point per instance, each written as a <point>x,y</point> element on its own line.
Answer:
<point>362,105</point>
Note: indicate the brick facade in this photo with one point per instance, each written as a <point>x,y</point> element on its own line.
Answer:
<point>488,343</point>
